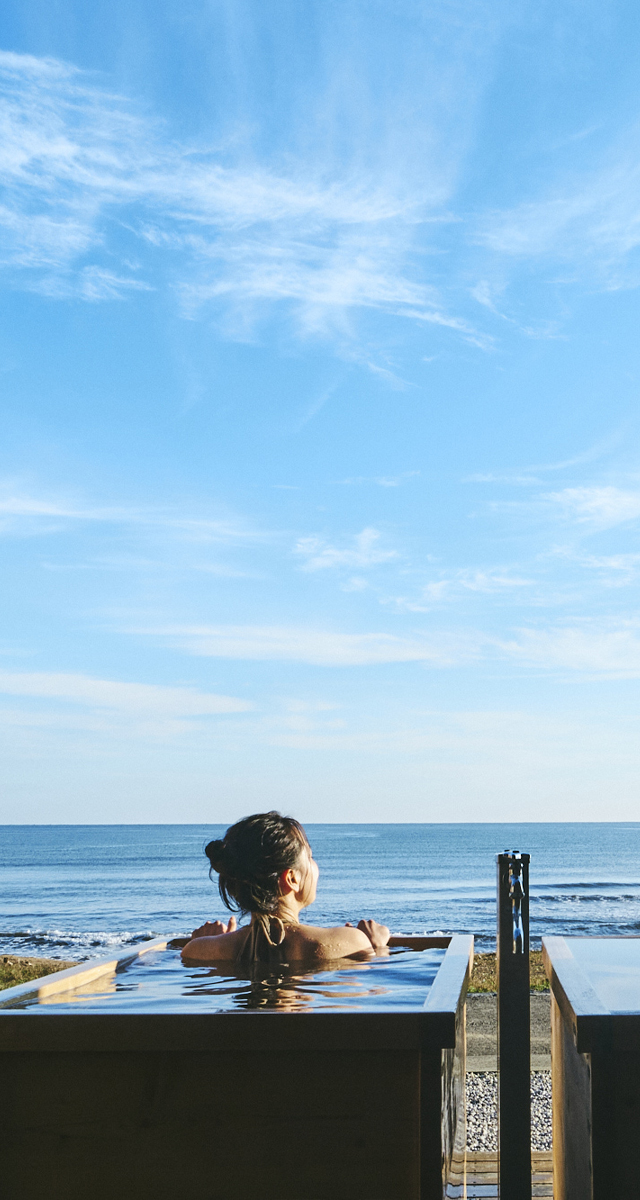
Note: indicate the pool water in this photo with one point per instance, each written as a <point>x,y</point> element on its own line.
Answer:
<point>612,966</point>
<point>160,982</point>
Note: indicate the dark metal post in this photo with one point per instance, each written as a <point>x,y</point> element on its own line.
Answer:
<point>514,1037</point>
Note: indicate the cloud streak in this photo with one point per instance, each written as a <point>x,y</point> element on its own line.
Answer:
<point>613,652</point>
<point>451,587</point>
<point>601,507</point>
<point>365,551</point>
<point>384,481</point>
<point>20,513</point>
<point>76,157</point>
<point>607,650</point>
<point>325,648</point>
<point>591,219</point>
<point>127,699</point>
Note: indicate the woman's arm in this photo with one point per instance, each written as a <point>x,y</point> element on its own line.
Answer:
<point>210,941</point>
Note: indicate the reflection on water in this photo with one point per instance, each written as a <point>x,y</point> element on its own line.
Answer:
<point>160,982</point>
<point>334,985</point>
<point>612,966</point>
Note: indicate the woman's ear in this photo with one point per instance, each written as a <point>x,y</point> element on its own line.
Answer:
<point>289,881</point>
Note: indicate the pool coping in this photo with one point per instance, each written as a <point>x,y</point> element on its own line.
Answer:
<point>433,1026</point>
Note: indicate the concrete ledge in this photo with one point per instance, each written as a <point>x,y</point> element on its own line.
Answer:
<point>489,1062</point>
<point>482,1045</point>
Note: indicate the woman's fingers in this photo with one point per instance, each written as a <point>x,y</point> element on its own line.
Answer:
<point>200,931</point>
<point>215,928</point>
<point>209,929</point>
<point>378,934</point>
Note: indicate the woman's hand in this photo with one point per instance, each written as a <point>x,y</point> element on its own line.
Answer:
<point>214,928</point>
<point>377,934</point>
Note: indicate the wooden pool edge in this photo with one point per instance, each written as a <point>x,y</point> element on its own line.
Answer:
<point>86,972</point>
<point>72,977</point>
<point>433,1026</point>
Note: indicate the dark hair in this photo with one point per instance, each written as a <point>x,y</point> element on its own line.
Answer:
<point>251,857</point>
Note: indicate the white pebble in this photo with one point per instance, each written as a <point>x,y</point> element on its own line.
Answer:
<point>482,1110</point>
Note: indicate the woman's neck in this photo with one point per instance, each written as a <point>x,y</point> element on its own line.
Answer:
<point>288,911</point>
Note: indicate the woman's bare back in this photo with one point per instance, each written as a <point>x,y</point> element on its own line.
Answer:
<point>300,942</point>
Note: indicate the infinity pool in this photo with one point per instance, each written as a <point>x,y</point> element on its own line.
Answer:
<point>144,1069</point>
<point>159,982</point>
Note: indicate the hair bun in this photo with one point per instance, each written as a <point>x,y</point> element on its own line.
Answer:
<point>215,852</point>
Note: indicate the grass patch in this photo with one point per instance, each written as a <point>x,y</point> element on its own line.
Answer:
<point>20,970</point>
<point>484,973</point>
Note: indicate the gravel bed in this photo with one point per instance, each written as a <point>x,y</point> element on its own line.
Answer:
<point>482,1110</point>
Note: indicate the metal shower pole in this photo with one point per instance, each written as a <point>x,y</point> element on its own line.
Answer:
<point>514,1036</point>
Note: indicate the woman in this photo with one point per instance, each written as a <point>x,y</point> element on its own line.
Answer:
<point>266,868</point>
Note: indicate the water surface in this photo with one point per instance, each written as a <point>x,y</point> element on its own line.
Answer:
<point>160,982</point>
<point>78,890</point>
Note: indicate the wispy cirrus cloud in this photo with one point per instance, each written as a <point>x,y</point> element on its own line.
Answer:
<point>319,647</point>
<point>384,481</point>
<point>451,586</point>
<point>21,513</point>
<point>590,218</point>
<point>75,157</point>
<point>133,699</point>
<point>92,283</point>
<point>364,551</point>
<point>490,581</point>
<point>601,507</point>
<point>615,570</point>
<point>531,472</point>
<point>589,508</point>
<point>606,649</point>
<point>611,650</point>
<point>515,479</point>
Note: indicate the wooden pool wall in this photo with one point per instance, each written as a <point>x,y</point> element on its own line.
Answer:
<point>232,1106</point>
<point>595,1062</point>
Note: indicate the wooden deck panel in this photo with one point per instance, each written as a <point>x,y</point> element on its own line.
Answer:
<point>482,1175</point>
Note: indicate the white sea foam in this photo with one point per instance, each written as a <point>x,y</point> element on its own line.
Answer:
<point>70,944</point>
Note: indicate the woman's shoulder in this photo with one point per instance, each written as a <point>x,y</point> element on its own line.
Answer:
<point>339,941</point>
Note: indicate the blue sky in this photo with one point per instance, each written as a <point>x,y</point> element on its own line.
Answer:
<point>319,358</point>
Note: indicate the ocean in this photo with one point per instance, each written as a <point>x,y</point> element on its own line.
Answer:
<point>77,891</point>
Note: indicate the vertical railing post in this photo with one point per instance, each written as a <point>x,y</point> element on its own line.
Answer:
<point>514,1037</point>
